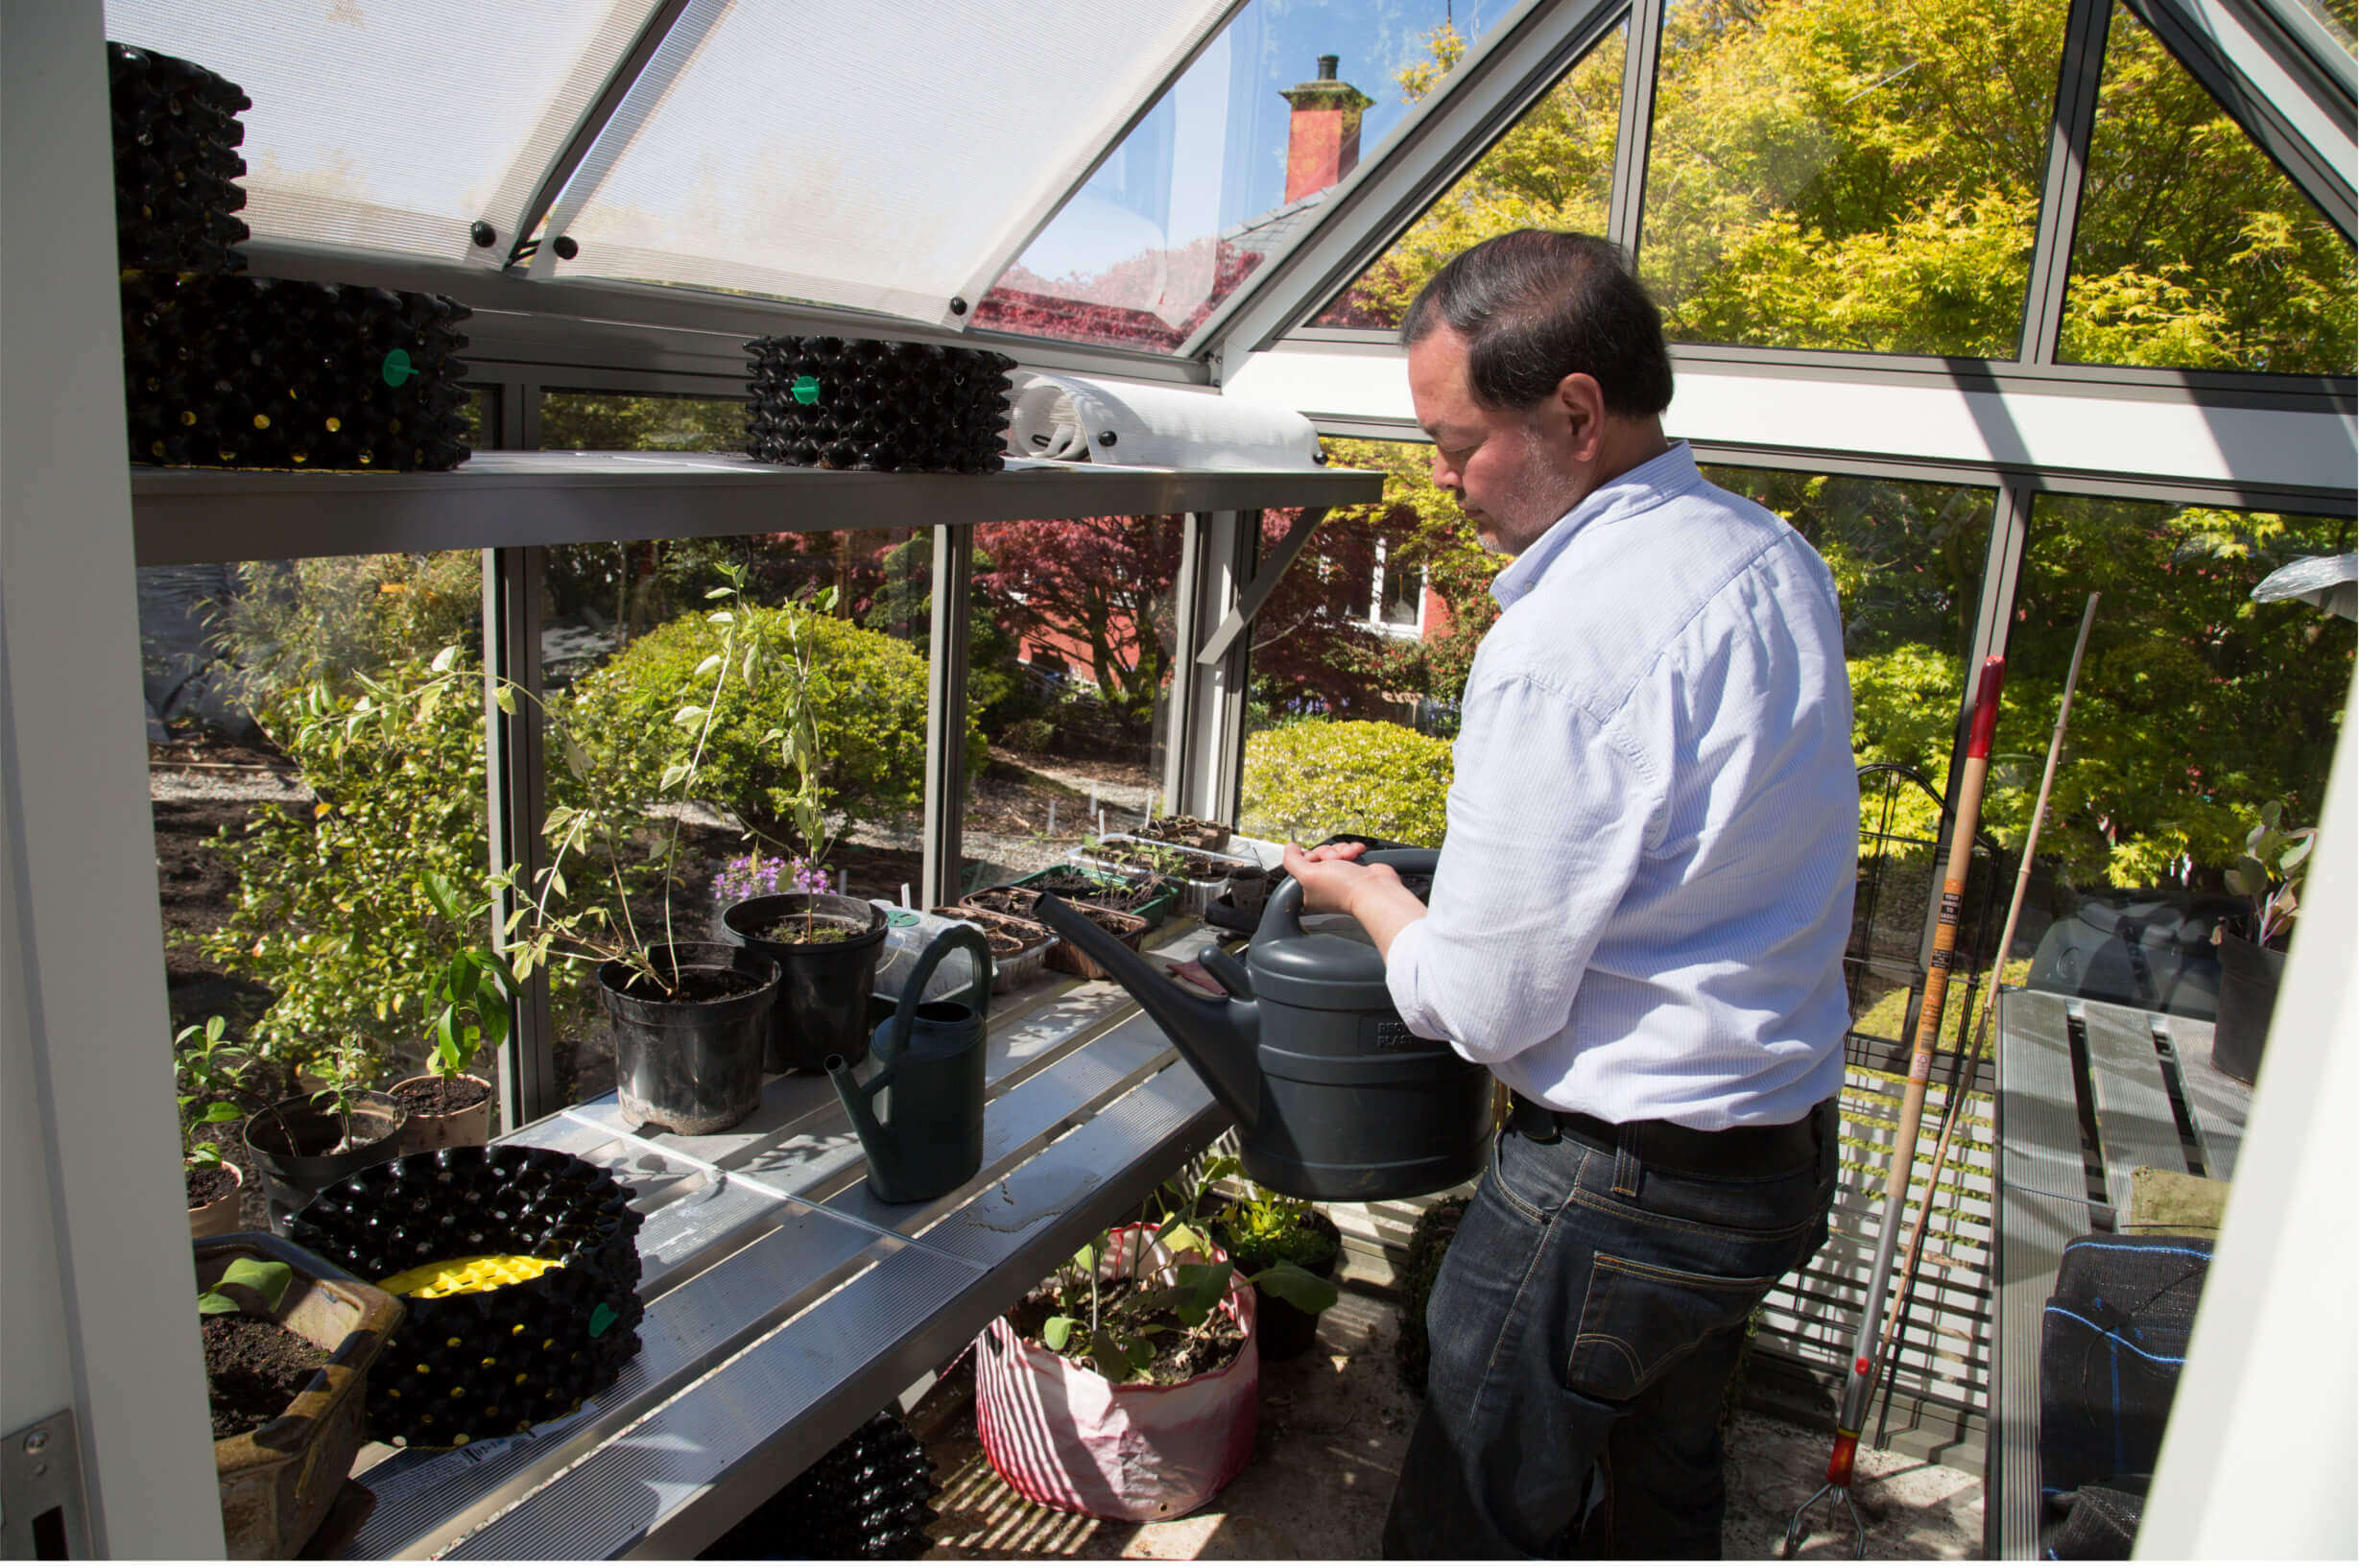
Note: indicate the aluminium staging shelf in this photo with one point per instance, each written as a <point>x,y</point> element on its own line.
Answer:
<point>184,517</point>
<point>785,1305</point>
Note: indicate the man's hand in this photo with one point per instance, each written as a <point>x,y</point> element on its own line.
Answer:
<point>1333,883</point>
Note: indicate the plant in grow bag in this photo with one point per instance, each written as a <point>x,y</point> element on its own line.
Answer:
<point>2265,873</point>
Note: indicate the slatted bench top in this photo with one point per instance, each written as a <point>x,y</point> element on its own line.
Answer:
<point>785,1305</point>
<point>2145,1082</point>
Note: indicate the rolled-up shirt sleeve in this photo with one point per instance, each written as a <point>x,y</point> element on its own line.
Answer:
<point>1551,809</point>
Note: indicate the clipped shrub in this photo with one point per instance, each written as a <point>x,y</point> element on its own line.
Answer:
<point>334,617</point>
<point>331,911</point>
<point>1309,780</point>
<point>870,691</point>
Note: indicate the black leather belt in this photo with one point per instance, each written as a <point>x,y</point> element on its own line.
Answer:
<point>1667,1145</point>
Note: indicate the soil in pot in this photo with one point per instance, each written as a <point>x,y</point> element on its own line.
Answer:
<point>1180,1353</point>
<point>794,933</point>
<point>441,1096</point>
<point>690,985</point>
<point>1193,832</point>
<point>210,1185</point>
<point>254,1370</point>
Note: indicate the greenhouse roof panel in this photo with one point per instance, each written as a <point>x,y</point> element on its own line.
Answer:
<point>397,128</point>
<point>890,158</point>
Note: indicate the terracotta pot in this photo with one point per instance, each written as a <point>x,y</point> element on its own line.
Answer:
<point>279,1480</point>
<point>220,1217</point>
<point>426,1132</point>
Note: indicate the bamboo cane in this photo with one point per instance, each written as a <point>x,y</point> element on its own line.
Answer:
<point>1990,984</point>
<point>1860,1378</point>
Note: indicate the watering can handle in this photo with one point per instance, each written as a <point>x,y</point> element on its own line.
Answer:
<point>937,950</point>
<point>1284,917</point>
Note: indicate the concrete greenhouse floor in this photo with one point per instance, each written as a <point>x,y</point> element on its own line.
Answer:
<point>1332,1430</point>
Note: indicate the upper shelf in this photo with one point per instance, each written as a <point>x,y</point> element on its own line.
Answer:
<point>185,515</point>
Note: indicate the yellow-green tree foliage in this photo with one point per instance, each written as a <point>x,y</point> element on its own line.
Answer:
<point>1310,780</point>
<point>1866,174</point>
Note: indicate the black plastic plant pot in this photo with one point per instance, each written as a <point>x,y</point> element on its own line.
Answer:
<point>688,1044</point>
<point>294,1143</point>
<point>1287,1331</point>
<point>823,986</point>
<point>519,1268</point>
<point>2249,977</point>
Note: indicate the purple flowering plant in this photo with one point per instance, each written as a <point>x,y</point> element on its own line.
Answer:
<point>755,875</point>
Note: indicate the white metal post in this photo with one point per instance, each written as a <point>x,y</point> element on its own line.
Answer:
<point>99,1301</point>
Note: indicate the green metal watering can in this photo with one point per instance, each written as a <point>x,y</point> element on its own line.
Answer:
<point>921,1116</point>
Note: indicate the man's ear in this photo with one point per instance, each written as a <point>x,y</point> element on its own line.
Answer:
<point>1579,401</point>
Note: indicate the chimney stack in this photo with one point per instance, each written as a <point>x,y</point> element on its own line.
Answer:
<point>1323,136</point>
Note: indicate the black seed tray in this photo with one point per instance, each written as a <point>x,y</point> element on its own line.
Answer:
<point>827,402</point>
<point>255,372</point>
<point>487,1362</point>
<point>177,165</point>
<point>864,1497</point>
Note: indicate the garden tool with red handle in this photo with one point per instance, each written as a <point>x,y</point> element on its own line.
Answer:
<point>1860,1379</point>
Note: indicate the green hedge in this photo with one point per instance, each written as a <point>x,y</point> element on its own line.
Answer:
<point>1308,780</point>
<point>871,691</point>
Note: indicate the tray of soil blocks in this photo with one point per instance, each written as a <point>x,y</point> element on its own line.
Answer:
<point>1145,895</point>
<point>1018,946</point>
<point>1127,929</point>
<point>520,1270</point>
<point>1188,832</point>
<point>1202,876</point>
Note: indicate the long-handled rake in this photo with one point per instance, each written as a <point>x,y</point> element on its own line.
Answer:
<point>1860,1379</point>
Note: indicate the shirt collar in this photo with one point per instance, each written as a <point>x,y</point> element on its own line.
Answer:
<point>1661,477</point>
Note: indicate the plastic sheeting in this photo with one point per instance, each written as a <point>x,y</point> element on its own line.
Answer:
<point>384,127</point>
<point>889,157</point>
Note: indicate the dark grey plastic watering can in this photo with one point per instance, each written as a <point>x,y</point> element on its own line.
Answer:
<point>921,1114</point>
<point>1334,1098</point>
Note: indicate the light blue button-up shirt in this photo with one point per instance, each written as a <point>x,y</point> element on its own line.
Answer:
<point>1643,901</point>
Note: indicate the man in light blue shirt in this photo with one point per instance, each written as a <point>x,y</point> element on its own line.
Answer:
<point>1638,922</point>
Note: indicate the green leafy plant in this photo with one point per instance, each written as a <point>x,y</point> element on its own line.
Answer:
<point>1268,1228</point>
<point>476,989</point>
<point>1114,1331</point>
<point>2265,873</point>
<point>345,1073</point>
<point>1305,782</point>
<point>1163,860</point>
<point>216,1075</point>
<point>254,1286</point>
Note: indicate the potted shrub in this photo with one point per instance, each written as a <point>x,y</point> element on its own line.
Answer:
<point>302,1143</point>
<point>827,944</point>
<point>1125,1386</point>
<point>2252,961</point>
<point>215,1076</point>
<point>288,1340</point>
<point>1265,1230</point>
<point>449,1107</point>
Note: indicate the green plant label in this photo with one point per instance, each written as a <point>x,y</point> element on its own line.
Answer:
<point>397,368</point>
<point>602,1320</point>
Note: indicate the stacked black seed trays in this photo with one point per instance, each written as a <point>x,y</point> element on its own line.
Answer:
<point>826,402</point>
<point>866,1497</point>
<point>253,372</point>
<point>221,370</point>
<point>177,166</point>
<point>487,1362</point>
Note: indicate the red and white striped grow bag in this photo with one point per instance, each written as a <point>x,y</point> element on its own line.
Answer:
<point>1065,1437</point>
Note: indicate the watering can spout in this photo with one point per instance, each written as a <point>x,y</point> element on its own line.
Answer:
<point>859,1104</point>
<point>1218,1038</point>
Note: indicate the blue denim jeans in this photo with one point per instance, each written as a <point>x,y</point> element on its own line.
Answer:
<point>1583,1334</point>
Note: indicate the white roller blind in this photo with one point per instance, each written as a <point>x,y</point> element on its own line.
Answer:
<point>387,125</point>
<point>889,155</point>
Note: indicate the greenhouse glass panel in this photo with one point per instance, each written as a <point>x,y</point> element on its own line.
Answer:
<point>609,421</point>
<point>295,827</point>
<point>1554,169</point>
<point>2194,249</point>
<point>1070,673</point>
<point>2195,708</point>
<point>888,157</point>
<point>626,634</point>
<point>1229,170</point>
<point>1848,174</point>
<point>396,128</point>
